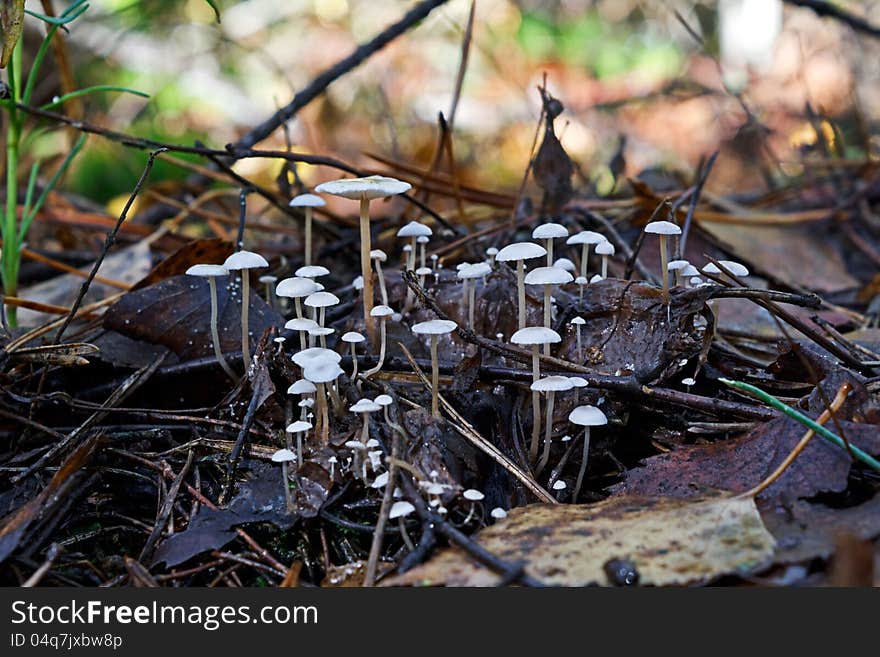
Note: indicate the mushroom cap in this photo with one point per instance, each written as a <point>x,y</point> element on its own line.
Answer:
<point>371,187</point>
<point>535,335</point>
<point>207,270</point>
<point>353,337</point>
<point>588,416</point>
<point>734,267</point>
<point>268,278</point>
<point>424,271</point>
<point>355,444</point>
<point>689,381</point>
<point>301,387</point>
<point>407,248</point>
<point>380,481</point>
<point>378,254</point>
<point>477,270</point>
<point>322,371</point>
<point>690,270</point>
<point>578,382</point>
<point>605,248</point>
<point>321,300</point>
<point>711,268</point>
<point>548,276</point>
<point>492,251</point>
<point>245,260</point>
<point>319,331</point>
<point>358,283</point>
<point>296,287</point>
<point>559,485</point>
<point>549,231</point>
<point>578,320</point>
<point>423,239</point>
<point>308,402</point>
<point>384,400</point>
<point>581,280</point>
<point>381,311</point>
<point>552,384</point>
<point>400,509</point>
<point>311,271</point>
<point>662,228</point>
<point>520,251</point>
<point>434,327</point>
<point>298,426</point>
<point>307,201</point>
<point>365,406</point>
<point>300,324</point>
<point>498,513</point>
<point>586,237</point>
<point>283,455</point>
<point>675,265</point>
<point>595,278</point>
<point>314,355</point>
<point>473,495</point>
<point>565,263</point>
<point>415,229</point>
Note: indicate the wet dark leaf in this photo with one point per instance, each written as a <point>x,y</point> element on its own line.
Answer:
<point>313,487</point>
<point>191,253</point>
<point>552,170</point>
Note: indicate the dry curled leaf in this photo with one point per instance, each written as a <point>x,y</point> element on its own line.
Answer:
<point>11,23</point>
<point>669,541</point>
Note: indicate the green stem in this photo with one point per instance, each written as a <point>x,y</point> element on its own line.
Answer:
<point>831,437</point>
<point>11,244</point>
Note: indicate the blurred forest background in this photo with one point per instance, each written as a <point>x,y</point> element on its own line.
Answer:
<point>678,78</point>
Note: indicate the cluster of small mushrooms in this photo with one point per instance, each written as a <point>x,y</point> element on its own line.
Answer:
<point>318,389</point>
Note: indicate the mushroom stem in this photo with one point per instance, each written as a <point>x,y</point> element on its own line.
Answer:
<point>382,290</point>
<point>465,286</point>
<point>215,336</point>
<point>580,479</point>
<point>299,447</point>
<point>354,362</point>
<point>338,405</point>
<point>604,267</point>
<point>366,271</point>
<point>307,258</point>
<point>521,292</point>
<point>299,308</point>
<point>548,244</point>
<point>245,304</point>
<point>547,315</point>
<point>365,432</point>
<point>536,406</point>
<point>411,259</point>
<point>585,255</point>
<point>545,456</point>
<point>422,249</point>
<point>471,302</point>
<point>579,352</point>
<point>322,414</point>
<point>284,482</point>
<point>664,273</point>
<point>270,295</point>
<point>435,379</point>
<point>379,363</point>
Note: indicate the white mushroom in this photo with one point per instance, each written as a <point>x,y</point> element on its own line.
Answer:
<point>353,338</point>
<point>548,277</point>
<point>664,229</point>
<point>244,261</point>
<point>533,336</point>
<point>549,232</point>
<point>585,238</point>
<point>585,416</point>
<point>434,328</point>
<point>383,313</point>
<point>211,272</point>
<point>605,249</point>
<point>307,202</point>
<point>378,256</point>
<point>519,252</point>
<point>469,275</point>
<point>412,231</point>
<point>578,322</point>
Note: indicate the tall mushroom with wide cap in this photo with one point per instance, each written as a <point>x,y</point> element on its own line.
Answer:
<point>533,337</point>
<point>585,238</point>
<point>663,229</point>
<point>244,261</point>
<point>549,232</point>
<point>585,416</point>
<point>365,190</point>
<point>519,252</point>
<point>434,328</point>
<point>548,277</point>
<point>549,385</point>
<point>211,272</point>
<point>307,202</point>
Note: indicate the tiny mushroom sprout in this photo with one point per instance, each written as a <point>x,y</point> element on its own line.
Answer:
<point>303,388</point>
<point>519,252</point>
<point>422,272</point>
<point>473,495</point>
<point>550,385</point>
<point>533,336</point>
<point>585,416</point>
<point>301,325</point>
<point>365,407</point>
<point>434,328</point>
<point>492,251</point>
<point>423,248</point>
<point>677,266</point>
<point>312,271</point>
<point>284,456</point>
<point>581,282</point>
<point>307,202</point>
<point>469,275</point>
<point>414,230</point>
<point>585,238</point>
<point>378,256</point>
<point>321,332</point>
<point>566,264</point>
<point>548,277</point>
<point>399,511</point>
<point>385,401</point>
<point>382,313</point>
<point>365,190</point>
<point>735,268</point>
<point>578,322</point>
<point>296,288</point>
<point>605,249</point>
<point>244,261</point>
<point>211,272</point>
<point>549,232</point>
<point>321,372</point>
<point>664,229</point>
<point>321,301</point>
<point>298,428</point>
<point>498,513</point>
<point>353,338</point>
<point>577,383</point>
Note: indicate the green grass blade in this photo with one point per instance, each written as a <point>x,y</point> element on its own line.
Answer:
<point>89,90</point>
